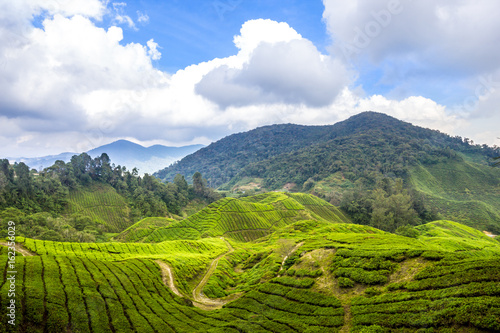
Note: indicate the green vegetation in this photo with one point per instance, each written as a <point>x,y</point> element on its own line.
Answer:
<point>143,229</point>
<point>464,192</point>
<point>269,262</point>
<point>86,198</point>
<point>248,218</point>
<point>343,163</point>
<point>102,204</point>
<point>310,275</point>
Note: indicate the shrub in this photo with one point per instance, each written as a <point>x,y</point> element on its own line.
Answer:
<point>345,282</point>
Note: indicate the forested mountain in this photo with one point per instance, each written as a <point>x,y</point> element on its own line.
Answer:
<point>345,162</point>
<point>362,144</point>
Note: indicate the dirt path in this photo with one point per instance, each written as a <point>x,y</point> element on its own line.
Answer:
<point>168,277</point>
<point>347,319</point>
<point>290,253</point>
<point>198,296</point>
<point>20,249</point>
<point>200,300</point>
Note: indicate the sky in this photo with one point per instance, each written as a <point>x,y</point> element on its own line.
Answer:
<point>78,74</point>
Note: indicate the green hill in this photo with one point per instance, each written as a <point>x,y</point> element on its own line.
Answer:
<point>453,176</point>
<point>462,191</point>
<point>143,229</point>
<point>101,203</point>
<point>308,275</point>
<point>245,219</point>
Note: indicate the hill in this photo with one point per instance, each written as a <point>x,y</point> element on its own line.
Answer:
<point>313,275</point>
<point>102,204</point>
<point>354,155</point>
<point>243,219</point>
<point>122,152</point>
<point>293,153</point>
<point>86,198</point>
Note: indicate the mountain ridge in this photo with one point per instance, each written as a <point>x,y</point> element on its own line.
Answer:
<point>122,152</point>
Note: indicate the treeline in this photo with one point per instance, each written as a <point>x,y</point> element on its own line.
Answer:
<point>389,206</point>
<point>37,200</point>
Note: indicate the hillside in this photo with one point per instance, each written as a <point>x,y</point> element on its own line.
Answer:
<point>86,198</point>
<point>102,204</point>
<point>287,153</point>
<point>313,275</point>
<point>243,219</point>
<point>354,155</point>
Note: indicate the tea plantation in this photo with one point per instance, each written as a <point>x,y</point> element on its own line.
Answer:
<point>270,263</point>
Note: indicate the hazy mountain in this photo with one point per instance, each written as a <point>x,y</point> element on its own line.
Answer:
<point>122,152</point>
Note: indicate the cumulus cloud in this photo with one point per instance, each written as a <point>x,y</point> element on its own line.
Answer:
<point>286,70</point>
<point>441,34</point>
<point>70,85</point>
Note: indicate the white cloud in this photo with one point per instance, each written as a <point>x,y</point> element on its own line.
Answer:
<point>436,34</point>
<point>280,67</point>
<point>153,50</point>
<point>142,17</point>
<point>71,86</point>
<point>120,17</point>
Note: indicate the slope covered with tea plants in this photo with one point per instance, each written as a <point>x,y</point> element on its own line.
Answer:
<point>247,218</point>
<point>315,273</point>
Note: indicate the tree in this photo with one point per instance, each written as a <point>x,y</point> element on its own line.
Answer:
<point>198,185</point>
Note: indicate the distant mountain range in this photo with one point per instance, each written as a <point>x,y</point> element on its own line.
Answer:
<point>124,153</point>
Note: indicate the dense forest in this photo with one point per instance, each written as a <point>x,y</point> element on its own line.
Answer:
<point>37,201</point>
<point>364,146</point>
<point>353,163</point>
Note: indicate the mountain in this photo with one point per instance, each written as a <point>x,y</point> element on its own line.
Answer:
<point>294,153</point>
<point>449,174</point>
<point>124,153</point>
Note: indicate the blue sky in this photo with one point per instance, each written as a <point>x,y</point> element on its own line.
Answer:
<point>191,32</point>
<point>77,74</point>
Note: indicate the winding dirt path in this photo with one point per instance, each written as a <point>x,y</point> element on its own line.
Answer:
<point>199,299</point>
<point>168,277</point>
<point>198,296</point>
<point>295,248</point>
<point>21,249</point>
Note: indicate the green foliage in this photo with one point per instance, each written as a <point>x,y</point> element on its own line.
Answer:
<point>345,282</point>
<point>292,282</point>
<point>464,192</point>
<point>143,229</point>
<point>248,218</point>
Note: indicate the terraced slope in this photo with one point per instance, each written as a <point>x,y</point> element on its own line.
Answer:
<point>103,204</point>
<point>249,218</point>
<point>308,276</point>
<point>143,229</point>
<point>465,192</point>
